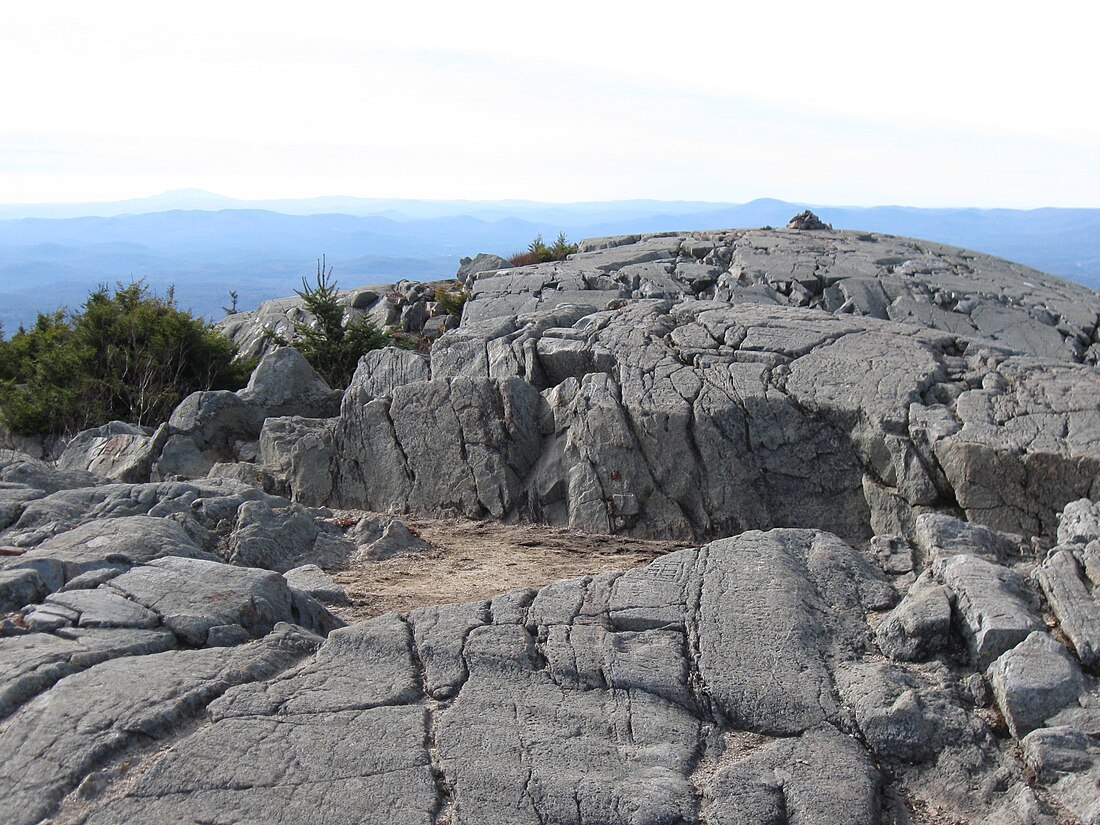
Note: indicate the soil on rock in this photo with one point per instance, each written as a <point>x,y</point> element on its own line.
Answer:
<point>476,560</point>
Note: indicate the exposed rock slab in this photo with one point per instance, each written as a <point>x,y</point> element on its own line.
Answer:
<point>194,597</point>
<point>589,701</point>
<point>55,741</point>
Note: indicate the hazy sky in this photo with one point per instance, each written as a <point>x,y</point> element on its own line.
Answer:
<point>931,104</point>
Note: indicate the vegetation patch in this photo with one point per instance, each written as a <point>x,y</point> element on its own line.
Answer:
<point>128,355</point>
<point>331,342</point>
<point>539,253</point>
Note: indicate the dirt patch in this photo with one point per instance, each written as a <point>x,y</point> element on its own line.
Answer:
<point>476,560</point>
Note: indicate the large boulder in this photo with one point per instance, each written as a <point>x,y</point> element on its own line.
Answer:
<point>381,371</point>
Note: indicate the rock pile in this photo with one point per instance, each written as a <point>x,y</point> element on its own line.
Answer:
<point>882,454</point>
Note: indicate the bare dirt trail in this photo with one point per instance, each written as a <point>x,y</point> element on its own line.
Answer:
<point>476,560</point>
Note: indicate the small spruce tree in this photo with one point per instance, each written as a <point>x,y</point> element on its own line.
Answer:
<point>331,344</point>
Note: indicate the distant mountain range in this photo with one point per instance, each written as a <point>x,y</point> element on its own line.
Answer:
<point>205,245</point>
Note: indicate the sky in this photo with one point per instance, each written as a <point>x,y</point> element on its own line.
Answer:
<point>933,104</point>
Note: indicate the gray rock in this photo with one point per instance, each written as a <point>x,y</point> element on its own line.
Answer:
<point>617,699</point>
<point>905,718</point>
<point>107,543</point>
<point>381,371</point>
<point>274,539</point>
<point>12,500</point>
<point>920,626</point>
<point>788,781</point>
<point>198,507</point>
<point>117,451</point>
<point>994,614</point>
<point>20,587</point>
<point>396,540</point>
<point>246,472</point>
<point>311,579</point>
<point>664,387</point>
<point>1079,522</point>
<point>773,677</point>
<point>1067,762</point>
<point>939,537</point>
<point>32,663</point>
<point>94,578</point>
<point>227,635</point>
<point>297,452</point>
<point>440,633</point>
<point>1033,681</point>
<point>193,596</point>
<point>482,262</point>
<point>18,469</point>
<point>203,429</point>
<point>210,427</point>
<point>104,608</point>
<point>1075,606</point>
<point>894,553</point>
<point>285,384</point>
<point>52,743</point>
<point>1058,750</point>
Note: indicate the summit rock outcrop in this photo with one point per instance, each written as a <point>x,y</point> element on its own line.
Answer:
<point>881,459</point>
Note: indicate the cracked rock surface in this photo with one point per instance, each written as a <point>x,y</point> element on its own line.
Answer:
<point>735,682</point>
<point>882,457</point>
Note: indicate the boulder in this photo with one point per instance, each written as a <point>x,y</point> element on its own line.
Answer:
<point>1074,603</point>
<point>1079,522</point>
<point>211,427</point>
<point>920,626</point>
<point>315,582</point>
<point>940,536</point>
<point>992,605</point>
<point>1033,681</point>
<point>274,539</point>
<point>297,453</point>
<point>19,587</point>
<point>396,540</point>
<point>116,451</point>
<point>20,470</point>
<point>192,597</point>
<point>482,262</point>
<point>381,371</point>
<point>284,383</point>
<point>12,500</point>
<point>1067,761</point>
<point>807,221</point>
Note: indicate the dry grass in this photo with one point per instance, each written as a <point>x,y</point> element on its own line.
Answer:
<point>476,560</point>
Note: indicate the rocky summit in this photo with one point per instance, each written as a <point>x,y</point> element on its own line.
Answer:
<point>879,459</point>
